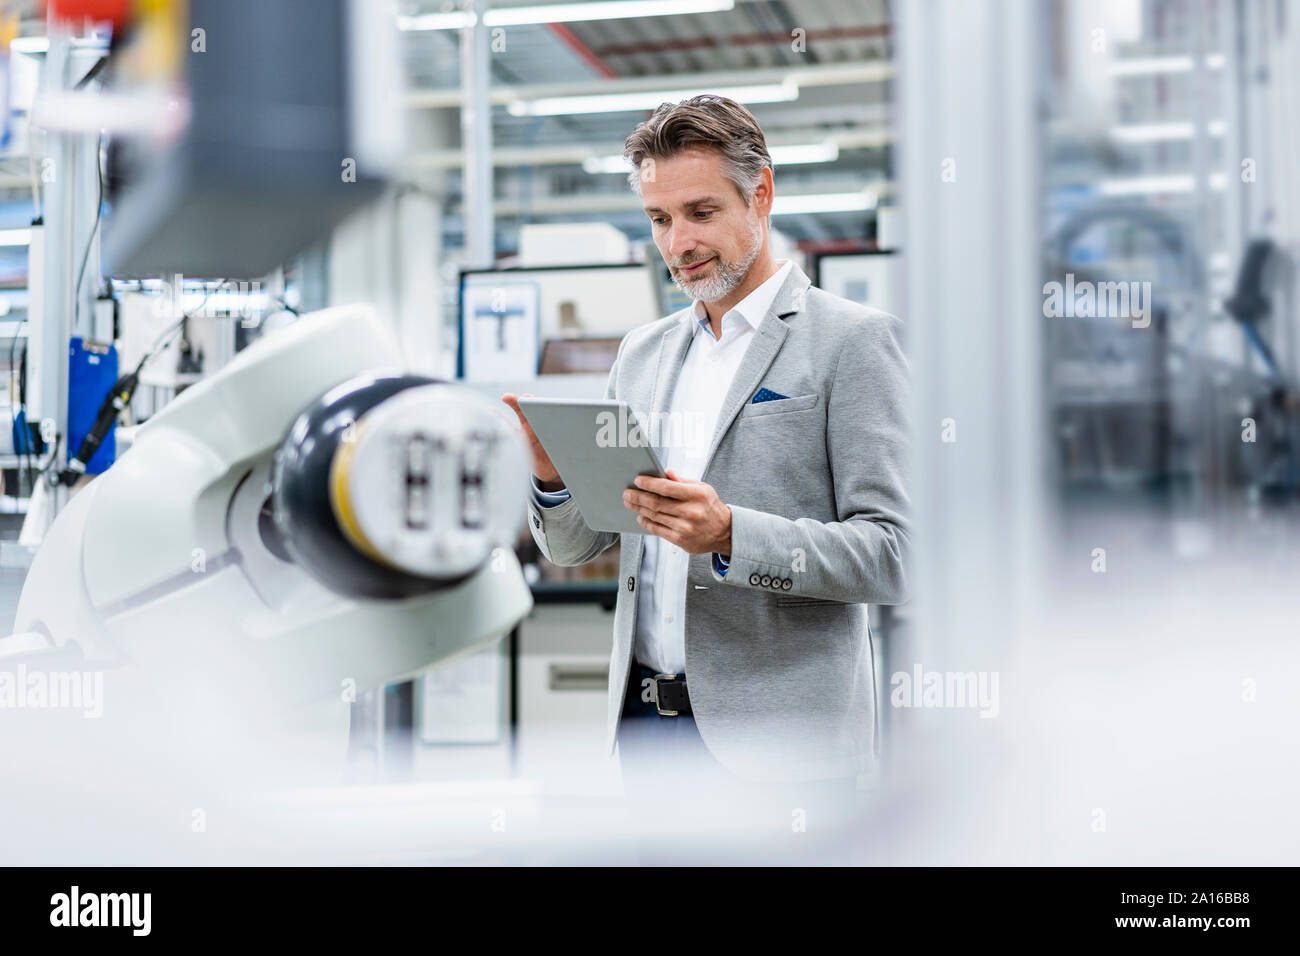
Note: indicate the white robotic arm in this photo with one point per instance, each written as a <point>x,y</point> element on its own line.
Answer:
<point>310,518</point>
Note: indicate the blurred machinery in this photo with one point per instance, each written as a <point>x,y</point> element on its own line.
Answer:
<point>304,519</point>
<point>307,517</point>
<point>1141,401</point>
<point>282,132</point>
<point>1154,145</point>
<point>1113,400</point>
<point>198,147</point>
<point>1271,409</point>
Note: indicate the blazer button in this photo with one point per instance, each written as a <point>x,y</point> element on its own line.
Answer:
<point>785,584</point>
<point>766,581</point>
<point>631,584</point>
<point>753,579</point>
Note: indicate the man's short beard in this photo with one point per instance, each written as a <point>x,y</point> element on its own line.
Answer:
<point>725,275</point>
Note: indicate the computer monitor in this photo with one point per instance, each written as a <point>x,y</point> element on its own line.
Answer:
<point>506,314</point>
<point>871,278</point>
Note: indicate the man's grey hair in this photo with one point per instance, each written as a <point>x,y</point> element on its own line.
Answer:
<point>708,121</point>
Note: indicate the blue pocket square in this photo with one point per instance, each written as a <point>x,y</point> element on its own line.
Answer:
<point>766,395</point>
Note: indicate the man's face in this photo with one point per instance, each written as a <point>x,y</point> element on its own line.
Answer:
<point>706,233</point>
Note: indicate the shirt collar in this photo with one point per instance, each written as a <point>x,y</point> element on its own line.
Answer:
<point>753,307</point>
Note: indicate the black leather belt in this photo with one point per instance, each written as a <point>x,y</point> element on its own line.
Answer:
<point>668,694</point>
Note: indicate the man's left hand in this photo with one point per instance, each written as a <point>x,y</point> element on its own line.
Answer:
<point>685,513</point>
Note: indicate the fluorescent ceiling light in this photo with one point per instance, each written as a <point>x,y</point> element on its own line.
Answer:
<point>436,21</point>
<point>30,44</point>
<point>804,153</point>
<point>1146,66</point>
<point>15,237</point>
<point>69,111</point>
<point>564,13</point>
<point>1149,185</point>
<point>42,44</point>
<point>1145,185</point>
<point>606,164</point>
<point>781,156</point>
<point>648,100</point>
<point>1159,132</point>
<point>824,202</point>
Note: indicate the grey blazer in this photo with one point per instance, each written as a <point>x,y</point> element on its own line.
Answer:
<point>778,655</point>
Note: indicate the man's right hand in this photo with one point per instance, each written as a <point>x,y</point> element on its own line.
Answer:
<point>543,470</point>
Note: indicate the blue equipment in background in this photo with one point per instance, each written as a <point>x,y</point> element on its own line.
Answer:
<point>92,375</point>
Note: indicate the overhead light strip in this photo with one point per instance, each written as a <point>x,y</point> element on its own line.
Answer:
<point>1155,65</point>
<point>563,13</point>
<point>823,202</point>
<point>648,100</point>
<point>1157,185</point>
<point>1163,132</point>
<point>796,155</point>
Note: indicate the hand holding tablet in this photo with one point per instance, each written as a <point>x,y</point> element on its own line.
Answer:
<point>599,448</point>
<point>543,468</point>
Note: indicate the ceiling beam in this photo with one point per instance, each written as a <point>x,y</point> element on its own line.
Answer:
<point>833,75</point>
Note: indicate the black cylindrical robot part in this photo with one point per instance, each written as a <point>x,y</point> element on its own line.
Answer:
<point>301,499</point>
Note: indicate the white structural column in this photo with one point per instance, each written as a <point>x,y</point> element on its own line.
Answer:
<point>71,194</point>
<point>476,138</point>
<point>388,254</point>
<point>969,168</point>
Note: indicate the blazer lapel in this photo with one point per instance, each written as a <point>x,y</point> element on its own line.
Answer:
<point>673,344</point>
<point>768,339</point>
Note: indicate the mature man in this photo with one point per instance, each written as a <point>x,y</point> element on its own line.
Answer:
<point>741,624</point>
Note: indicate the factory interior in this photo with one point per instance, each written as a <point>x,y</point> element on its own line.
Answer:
<point>218,216</point>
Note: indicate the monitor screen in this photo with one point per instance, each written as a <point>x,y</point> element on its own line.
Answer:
<point>506,314</point>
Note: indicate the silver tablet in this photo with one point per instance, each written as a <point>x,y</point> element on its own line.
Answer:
<point>598,448</point>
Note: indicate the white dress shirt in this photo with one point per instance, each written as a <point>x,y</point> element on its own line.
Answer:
<point>707,373</point>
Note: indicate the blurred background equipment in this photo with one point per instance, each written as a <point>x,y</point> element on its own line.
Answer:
<point>283,136</point>
<point>261,555</point>
<point>1113,394</point>
<point>869,278</point>
<point>372,549</point>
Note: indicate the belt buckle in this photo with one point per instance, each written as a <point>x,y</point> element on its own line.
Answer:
<point>654,682</point>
